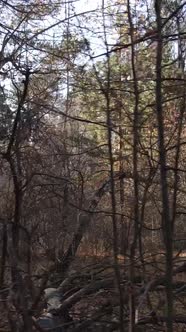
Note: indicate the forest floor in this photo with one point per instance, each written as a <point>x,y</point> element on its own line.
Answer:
<point>98,309</point>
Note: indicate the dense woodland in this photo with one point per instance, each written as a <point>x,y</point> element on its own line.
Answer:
<point>92,165</point>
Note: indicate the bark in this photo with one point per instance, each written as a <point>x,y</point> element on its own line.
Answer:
<point>19,292</point>
<point>111,170</point>
<point>166,219</point>
<point>135,171</point>
<point>4,256</point>
<point>181,65</point>
<point>18,295</point>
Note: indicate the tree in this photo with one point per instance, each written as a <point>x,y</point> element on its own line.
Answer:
<point>92,108</point>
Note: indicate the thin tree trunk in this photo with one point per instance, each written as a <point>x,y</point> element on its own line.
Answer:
<point>123,240</point>
<point>4,256</point>
<point>19,289</point>
<point>112,180</point>
<point>166,219</point>
<point>135,172</point>
<point>181,65</point>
